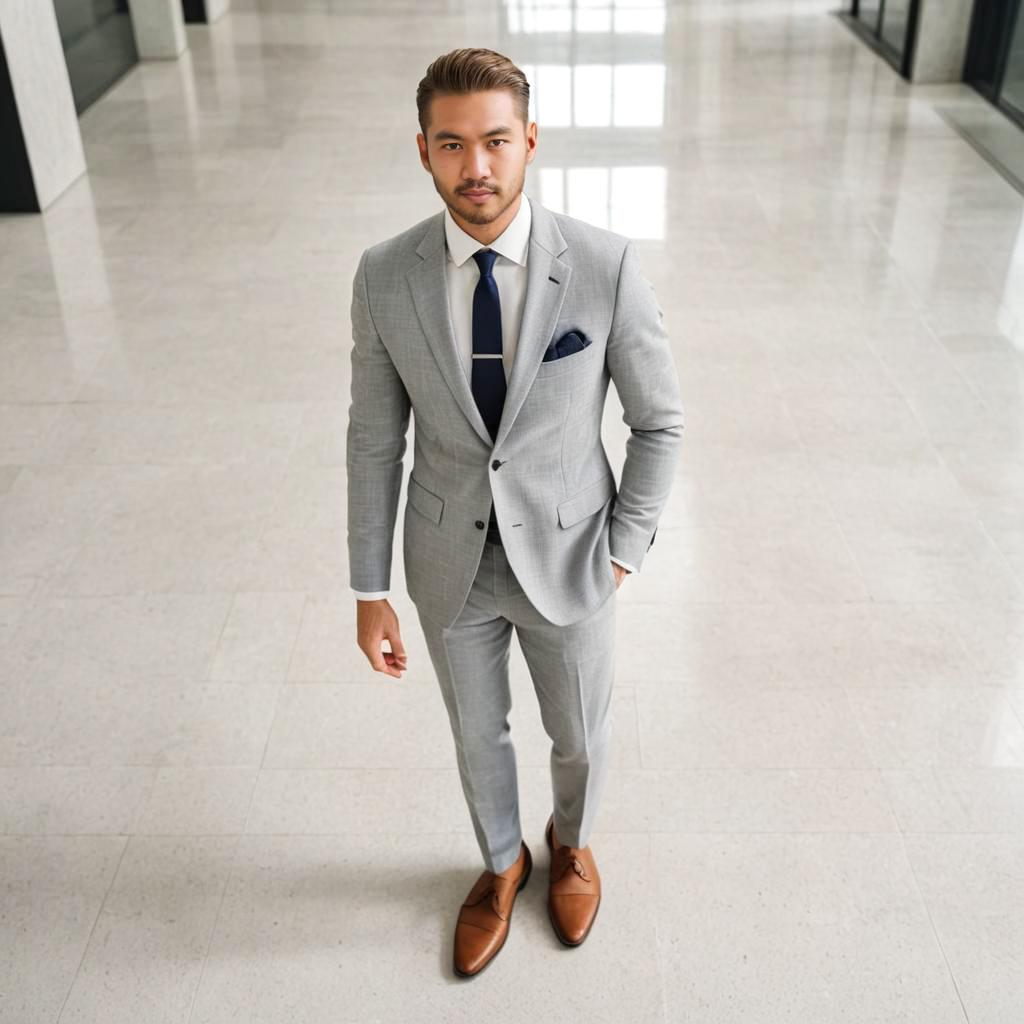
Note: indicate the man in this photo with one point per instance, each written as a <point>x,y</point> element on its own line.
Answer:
<point>500,323</point>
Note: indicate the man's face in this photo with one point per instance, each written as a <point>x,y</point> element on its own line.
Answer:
<point>477,144</point>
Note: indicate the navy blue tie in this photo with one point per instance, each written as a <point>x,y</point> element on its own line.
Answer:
<point>488,377</point>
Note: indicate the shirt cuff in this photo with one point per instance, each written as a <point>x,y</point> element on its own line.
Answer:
<point>625,565</point>
<point>370,595</point>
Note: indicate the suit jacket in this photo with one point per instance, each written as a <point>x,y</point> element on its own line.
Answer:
<point>559,511</point>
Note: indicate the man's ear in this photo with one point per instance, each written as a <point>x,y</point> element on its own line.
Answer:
<point>421,149</point>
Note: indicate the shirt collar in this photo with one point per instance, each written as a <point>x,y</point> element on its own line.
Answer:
<point>512,243</point>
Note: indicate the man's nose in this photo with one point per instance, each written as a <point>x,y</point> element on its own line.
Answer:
<point>477,168</point>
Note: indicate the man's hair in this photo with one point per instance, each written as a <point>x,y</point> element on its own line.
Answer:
<point>471,69</point>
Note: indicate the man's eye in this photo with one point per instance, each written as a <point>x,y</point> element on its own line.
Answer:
<point>447,144</point>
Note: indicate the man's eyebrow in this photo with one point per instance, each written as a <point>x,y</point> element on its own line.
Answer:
<point>443,136</point>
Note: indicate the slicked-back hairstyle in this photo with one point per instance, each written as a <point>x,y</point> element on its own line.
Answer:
<point>471,69</point>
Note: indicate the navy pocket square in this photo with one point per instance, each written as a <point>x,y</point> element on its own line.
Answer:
<point>566,345</point>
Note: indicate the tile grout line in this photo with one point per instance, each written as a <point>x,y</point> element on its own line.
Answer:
<point>92,930</point>
<point>213,930</point>
<point>240,837</point>
<point>938,941</point>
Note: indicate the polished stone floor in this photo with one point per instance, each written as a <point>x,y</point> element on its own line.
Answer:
<point>212,810</point>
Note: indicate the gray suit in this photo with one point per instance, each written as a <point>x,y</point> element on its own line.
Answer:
<point>547,473</point>
<point>552,491</point>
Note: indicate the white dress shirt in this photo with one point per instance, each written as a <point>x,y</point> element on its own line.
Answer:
<point>462,275</point>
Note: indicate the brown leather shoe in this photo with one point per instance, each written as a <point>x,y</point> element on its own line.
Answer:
<point>574,889</point>
<point>483,922</point>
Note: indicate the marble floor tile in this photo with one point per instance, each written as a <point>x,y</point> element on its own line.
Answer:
<point>212,809</point>
<point>797,927</point>
<point>960,799</point>
<point>149,943</point>
<point>54,889</point>
<point>972,886</point>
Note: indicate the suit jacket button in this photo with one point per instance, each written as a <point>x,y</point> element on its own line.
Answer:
<point>480,524</point>
<point>496,463</point>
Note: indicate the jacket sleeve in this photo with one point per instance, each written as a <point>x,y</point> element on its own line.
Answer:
<point>378,419</point>
<point>639,358</point>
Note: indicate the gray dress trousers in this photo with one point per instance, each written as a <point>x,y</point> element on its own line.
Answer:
<point>572,668</point>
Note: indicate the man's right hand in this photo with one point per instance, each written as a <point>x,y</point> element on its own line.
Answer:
<point>376,621</point>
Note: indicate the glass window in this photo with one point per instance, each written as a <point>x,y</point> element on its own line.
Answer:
<point>895,21</point>
<point>99,46</point>
<point>1013,81</point>
<point>867,11</point>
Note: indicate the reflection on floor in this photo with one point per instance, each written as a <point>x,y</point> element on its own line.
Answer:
<point>989,130</point>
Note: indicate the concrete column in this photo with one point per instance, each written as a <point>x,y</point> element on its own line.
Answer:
<point>941,46</point>
<point>159,28</point>
<point>40,145</point>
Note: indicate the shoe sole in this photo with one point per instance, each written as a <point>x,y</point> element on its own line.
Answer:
<point>551,917</point>
<point>493,956</point>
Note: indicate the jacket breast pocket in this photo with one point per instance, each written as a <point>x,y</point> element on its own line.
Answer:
<point>573,362</point>
<point>426,502</point>
<point>587,501</point>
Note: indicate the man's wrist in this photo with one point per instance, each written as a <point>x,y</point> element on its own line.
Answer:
<point>625,565</point>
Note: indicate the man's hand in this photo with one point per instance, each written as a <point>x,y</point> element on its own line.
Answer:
<point>620,574</point>
<point>376,621</point>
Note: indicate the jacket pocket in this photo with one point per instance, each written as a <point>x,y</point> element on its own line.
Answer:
<point>587,501</point>
<point>425,502</point>
<point>567,364</point>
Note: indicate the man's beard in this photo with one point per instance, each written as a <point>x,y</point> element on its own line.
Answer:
<point>477,214</point>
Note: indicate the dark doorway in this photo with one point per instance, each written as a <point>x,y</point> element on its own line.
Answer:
<point>995,55</point>
<point>99,46</point>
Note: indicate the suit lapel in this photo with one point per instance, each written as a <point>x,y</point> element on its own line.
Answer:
<point>430,294</point>
<point>547,279</point>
